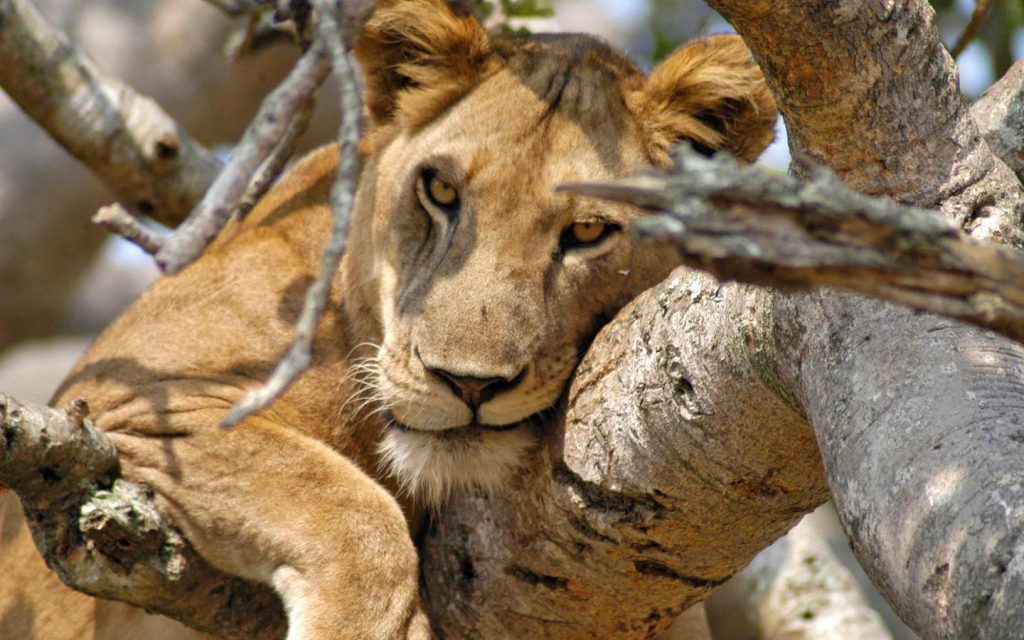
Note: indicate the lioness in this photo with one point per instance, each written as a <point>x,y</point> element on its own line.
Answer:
<point>469,291</point>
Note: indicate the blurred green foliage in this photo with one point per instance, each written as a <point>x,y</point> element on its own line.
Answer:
<point>1005,20</point>
<point>527,8</point>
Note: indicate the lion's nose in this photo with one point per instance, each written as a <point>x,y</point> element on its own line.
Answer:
<point>476,391</point>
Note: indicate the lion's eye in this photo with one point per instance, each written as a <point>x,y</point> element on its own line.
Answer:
<point>437,192</point>
<point>586,234</point>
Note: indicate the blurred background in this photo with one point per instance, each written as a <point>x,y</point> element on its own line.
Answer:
<point>62,279</point>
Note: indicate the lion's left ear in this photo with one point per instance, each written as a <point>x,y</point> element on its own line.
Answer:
<point>712,93</point>
<point>418,57</point>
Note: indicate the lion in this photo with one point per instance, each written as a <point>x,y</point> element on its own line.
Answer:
<point>469,292</point>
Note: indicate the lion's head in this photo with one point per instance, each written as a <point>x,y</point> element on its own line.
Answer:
<point>485,284</point>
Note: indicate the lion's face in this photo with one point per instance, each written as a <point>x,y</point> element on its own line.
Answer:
<point>486,282</point>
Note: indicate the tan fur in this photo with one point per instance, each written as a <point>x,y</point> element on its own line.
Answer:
<point>303,495</point>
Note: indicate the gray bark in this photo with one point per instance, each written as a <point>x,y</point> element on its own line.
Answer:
<point>127,139</point>
<point>686,446</point>
<point>750,224</point>
<point>999,113</point>
<point>106,537</point>
<point>870,92</point>
<point>681,457</point>
<point>917,417</point>
<point>171,51</point>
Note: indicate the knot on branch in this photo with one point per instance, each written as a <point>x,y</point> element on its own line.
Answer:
<point>48,454</point>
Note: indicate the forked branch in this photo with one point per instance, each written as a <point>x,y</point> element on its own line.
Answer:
<point>138,150</point>
<point>261,140</point>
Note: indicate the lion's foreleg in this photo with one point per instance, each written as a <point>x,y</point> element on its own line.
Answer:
<point>268,503</point>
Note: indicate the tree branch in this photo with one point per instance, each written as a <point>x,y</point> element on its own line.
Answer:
<point>871,92</point>
<point>999,113</point>
<point>750,224</point>
<point>133,145</point>
<point>118,220</point>
<point>107,537</point>
<point>662,484</point>
<point>917,417</point>
<point>981,10</point>
<point>268,128</point>
<point>342,197</point>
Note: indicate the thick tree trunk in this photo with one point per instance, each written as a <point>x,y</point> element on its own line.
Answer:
<point>686,447</point>
<point>918,418</point>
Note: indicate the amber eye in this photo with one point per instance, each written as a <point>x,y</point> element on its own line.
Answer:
<point>437,192</point>
<point>586,234</point>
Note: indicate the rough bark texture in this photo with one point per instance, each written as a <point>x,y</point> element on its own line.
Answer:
<point>106,537</point>
<point>918,418</point>
<point>1000,117</point>
<point>681,457</point>
<point>754,225</point>
<point>868,89</point>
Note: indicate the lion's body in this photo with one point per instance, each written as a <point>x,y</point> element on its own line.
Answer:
<point>468,292</point>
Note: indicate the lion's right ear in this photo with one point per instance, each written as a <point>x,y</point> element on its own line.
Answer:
<point>711,93</point>
<point>418,58</point>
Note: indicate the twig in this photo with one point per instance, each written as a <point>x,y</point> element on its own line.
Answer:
<point>756,226</point>
<point>117,219</point>
<point>275,163</point>
<point>125,138</point>
<point>342,196</point>
<point>981,9</point>
<point>219,204</point>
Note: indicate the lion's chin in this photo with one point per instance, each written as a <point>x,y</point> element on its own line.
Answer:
<point>432,465</point>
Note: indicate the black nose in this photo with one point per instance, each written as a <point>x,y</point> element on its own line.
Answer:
<point>476,391</point>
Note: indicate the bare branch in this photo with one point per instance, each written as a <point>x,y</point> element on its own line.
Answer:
<point>117,219</point>
<point>132,144</point>
<point>753,225</point>
<point>981,9</point>
<point>342,196</point>
<point>261,138</point>
<point>107,537</point>
<point>276,161</point>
